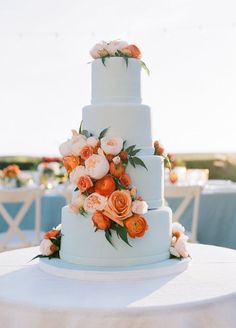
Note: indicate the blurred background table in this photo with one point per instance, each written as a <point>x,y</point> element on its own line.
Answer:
<point>217,214</point>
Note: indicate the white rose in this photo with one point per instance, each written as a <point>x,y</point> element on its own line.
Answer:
<point>58,227</point>
<point>94,202</point>
<point>177,228</point>
<point>115,45</point>
<point>112,145</point>
<point>45,247</point>
<point>139,207</point>
<point>91,141</point>
<point>97,166</point>
<point>174,252</point>
<point>116,160</point>
<point>77,173</point>
<point>181,246</point>
<point>73,145</point>
<point>99,50</point>
<point>77,203</point>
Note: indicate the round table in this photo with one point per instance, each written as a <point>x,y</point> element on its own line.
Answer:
<point>202,296</point>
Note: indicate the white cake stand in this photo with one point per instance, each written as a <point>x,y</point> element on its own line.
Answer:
<point>67,270</point>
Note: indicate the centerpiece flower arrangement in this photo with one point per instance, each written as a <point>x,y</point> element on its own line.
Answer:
<point>12,177</point>
<point>117,48</point>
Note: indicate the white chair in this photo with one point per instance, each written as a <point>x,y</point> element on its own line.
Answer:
<point>186,194</point>
<point>14,237</point>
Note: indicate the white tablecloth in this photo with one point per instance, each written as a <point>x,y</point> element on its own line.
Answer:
<point>202,296</point>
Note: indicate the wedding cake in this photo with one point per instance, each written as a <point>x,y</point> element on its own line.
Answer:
<point>117,216</point>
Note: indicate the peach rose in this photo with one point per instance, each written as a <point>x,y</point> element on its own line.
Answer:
<point>115,45</point>
<point>118,207</point>
<point>70,162</point>
<point>84,183</point>
<point>136,226</point>
<point>77,173</point>
<point>73,145</point>
<point>101,221</point>
<point>112,145</point>
<point>97,166</point>
<point>179,246</point>
<point>99,50</point>
<point>94,202</point>
<point>86,152</point>
<point>77,203</point>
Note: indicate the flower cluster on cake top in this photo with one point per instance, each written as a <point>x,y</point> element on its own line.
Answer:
<point>117,48</point>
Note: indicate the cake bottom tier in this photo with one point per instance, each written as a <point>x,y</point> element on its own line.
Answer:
<point>80,244</point>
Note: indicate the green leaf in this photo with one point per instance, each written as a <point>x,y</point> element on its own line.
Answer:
<point>108,236</point>
<point>126,60</point>
<point>103,61</point>
<point>80,127</point>
<point>85,133</point>
<point>122,233</point>
<point>76,189</point>
<point>124,142</point>
<point>82,211</point>
<point>144,66</point>
<point>130,149</point>
<point>134,152</point>
<point>138,161</point>
<point>131,160</point>
<point>103,133</point>
<point>119,185</point>
<point>125,162</point>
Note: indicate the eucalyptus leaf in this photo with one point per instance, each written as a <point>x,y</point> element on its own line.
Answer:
<point>103,133</point>
<point>76,189</point>
<point>134,152</point>
<point>130,148</point>
<point>144,66</point>
<point>108,236</point>
<point>126,60</point>
<point>80,127</point>
<point>103,60</point>
<point>132,162</point>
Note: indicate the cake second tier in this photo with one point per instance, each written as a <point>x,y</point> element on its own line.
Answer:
<point>130,121</point>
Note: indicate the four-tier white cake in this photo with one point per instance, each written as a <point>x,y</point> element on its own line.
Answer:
<point>116,103</point>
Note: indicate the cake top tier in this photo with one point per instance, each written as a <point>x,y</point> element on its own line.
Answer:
<point>116,81</point>
<point>116,73</point>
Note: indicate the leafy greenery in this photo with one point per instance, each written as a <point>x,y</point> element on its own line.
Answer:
<point>103,133</point>
<point>120,231</point>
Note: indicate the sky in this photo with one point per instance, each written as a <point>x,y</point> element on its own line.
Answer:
<point>189,47</point>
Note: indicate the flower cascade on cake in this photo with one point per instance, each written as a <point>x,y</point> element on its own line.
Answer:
<point>97,168</point>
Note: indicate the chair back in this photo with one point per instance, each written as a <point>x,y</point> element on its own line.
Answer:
<point>187,194</point>
<point>25,197</point>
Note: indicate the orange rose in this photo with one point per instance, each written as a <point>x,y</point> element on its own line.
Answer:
<point>86,152</point>
<point>109,157</point>
<point>118,207</point>
<point>71,162</point>
<point>117,169</point>
<point>105,186</point>
<point>132,51</point>
<point>84,183</point>
<point>54,248</point>
<point>136,226</point>
<point>125,180</point>
<point>51,234</point>
<point>101,221</point>
<point>123,154</point>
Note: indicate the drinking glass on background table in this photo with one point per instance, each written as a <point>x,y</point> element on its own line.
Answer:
<point>197,176</point>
